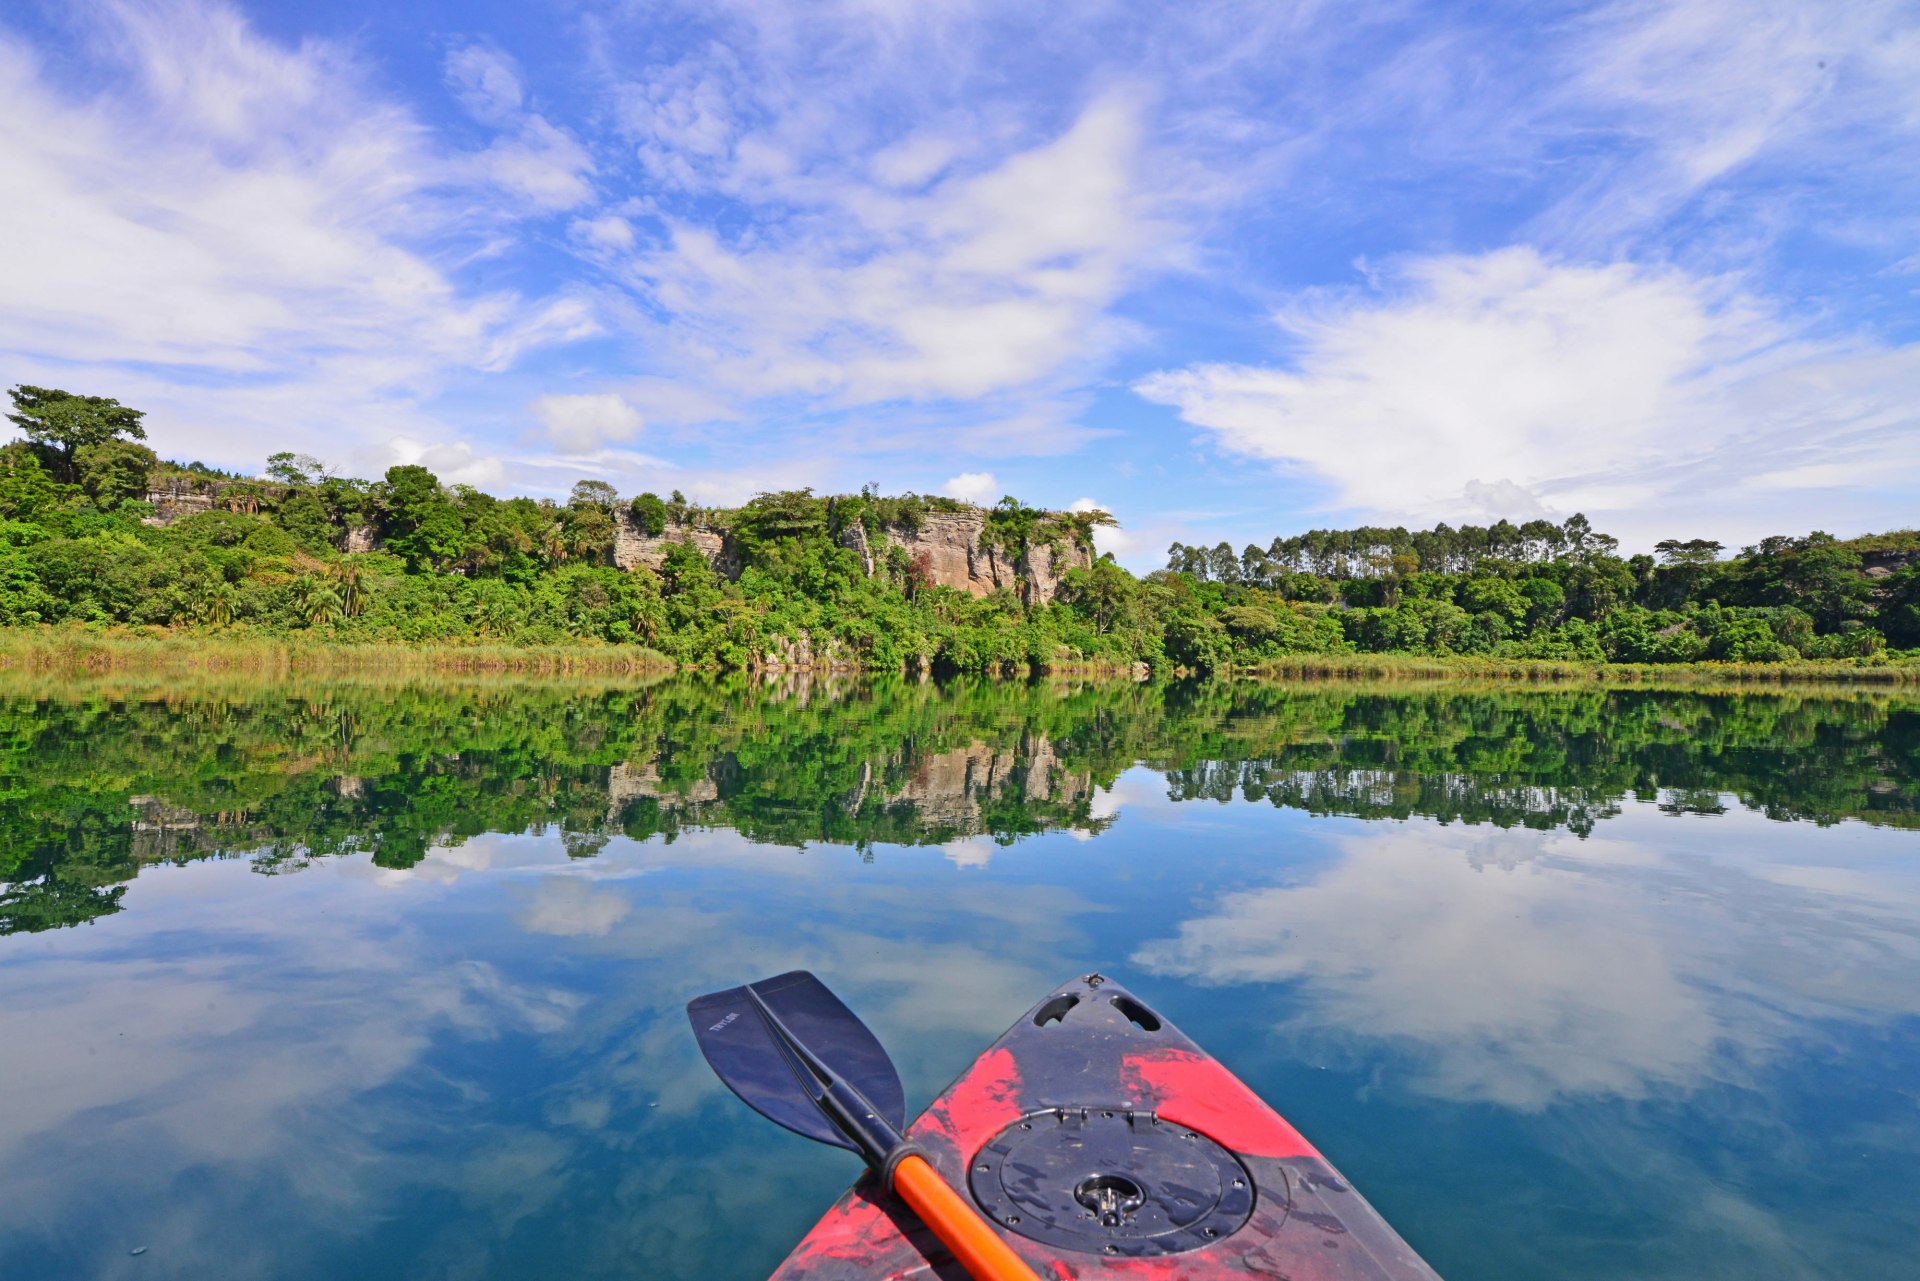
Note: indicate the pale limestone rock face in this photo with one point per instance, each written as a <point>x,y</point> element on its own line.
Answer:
<point>359,539</point>
<point>947,791</point>
<point>854,538</point>
<point>632,547</point>
<point>946,551</point>
<point>800,654</point>
<point>1044,566</point>
<point>172,505</point>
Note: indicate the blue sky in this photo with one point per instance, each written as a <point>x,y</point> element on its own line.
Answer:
<point>1227,270</point>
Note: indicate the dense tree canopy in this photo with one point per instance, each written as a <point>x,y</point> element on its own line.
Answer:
<point>408,558</point>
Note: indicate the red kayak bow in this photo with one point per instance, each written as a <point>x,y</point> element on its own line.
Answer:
<point>1098,1141</point>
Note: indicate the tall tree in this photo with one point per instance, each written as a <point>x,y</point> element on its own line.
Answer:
<point>650,513</point>
<point>1693,551</point>
<point>593,493</point>
<point>290,468</point>
<point>64,422</point>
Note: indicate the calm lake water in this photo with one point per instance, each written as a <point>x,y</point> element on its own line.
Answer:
<point>386,981</point>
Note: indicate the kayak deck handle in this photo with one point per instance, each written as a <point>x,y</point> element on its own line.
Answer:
<point>1137,1014</point>
<point>1055,1010</point>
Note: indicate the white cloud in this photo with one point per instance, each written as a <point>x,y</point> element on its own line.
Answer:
<point>1508,384</point>
<point>454,462</point>
<point>913,161</point>
<point>608,232</point>
<point>973,487</point>
<point>486,82</point>
<point>543,164</point>
<point>1106,538</point>
<point>215,203</point>
<point>586,422</point>
<point>970,852</point>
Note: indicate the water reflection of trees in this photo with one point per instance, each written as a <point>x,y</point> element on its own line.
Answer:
<point>100,783</point>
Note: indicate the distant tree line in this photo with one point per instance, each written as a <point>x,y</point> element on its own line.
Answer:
<point>1373,551</point>
<point>1541,590</point>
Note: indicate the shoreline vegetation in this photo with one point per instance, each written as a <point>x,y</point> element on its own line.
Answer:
<point>110,557</point>
<point>79,652</point>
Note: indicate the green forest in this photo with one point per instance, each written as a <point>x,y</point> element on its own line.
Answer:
<point>103,781</point>
<point>83,544</point>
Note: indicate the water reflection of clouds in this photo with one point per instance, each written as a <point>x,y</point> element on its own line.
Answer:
<point>575,908</point>
<point>204,1040</point>
<point>327,1050</point>
<point>1519,967</point>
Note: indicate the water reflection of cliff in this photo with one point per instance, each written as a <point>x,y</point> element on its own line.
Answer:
<point>104,781</point>
<point>972,790</point>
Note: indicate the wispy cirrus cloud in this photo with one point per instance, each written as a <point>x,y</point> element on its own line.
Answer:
<point>219,224</point>
<point>900,242</point>
<point>993,287</point>
<point>1675,100</point>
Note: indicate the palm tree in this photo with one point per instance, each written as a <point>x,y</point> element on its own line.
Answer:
<point>315,600</point>
<point>214,601</point>
<point>353,596</point>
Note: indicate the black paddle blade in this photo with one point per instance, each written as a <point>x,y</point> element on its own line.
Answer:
<point>746,1052</point>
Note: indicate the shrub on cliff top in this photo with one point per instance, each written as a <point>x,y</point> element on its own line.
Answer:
<point>650,514</point>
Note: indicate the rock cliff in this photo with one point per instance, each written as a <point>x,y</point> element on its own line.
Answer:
<point>176,497</point>
<point>949,549</point>
<point>943,548</point>
<point>633,546</point>
<point>951,789</point>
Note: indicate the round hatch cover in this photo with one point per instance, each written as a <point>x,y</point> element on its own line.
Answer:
<point>1111,1182</point>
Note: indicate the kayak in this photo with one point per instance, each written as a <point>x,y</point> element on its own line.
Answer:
<point>1098,1141</point>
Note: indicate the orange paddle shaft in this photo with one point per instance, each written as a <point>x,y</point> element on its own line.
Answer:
<point>978,1247</point>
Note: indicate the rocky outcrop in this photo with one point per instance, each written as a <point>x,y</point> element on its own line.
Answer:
<point>1884,564</point>
<point>176,496</point>
<point>798,653</point>
<point>633,546</point>
<point>949,793</point>
<point>169,507</point>
<point>949,549</point>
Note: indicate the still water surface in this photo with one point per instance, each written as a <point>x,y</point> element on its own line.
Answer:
<point>385,981</point>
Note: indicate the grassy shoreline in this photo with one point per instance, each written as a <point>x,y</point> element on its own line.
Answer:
<point>1397,667</point>
<point>76,651</point>
<point>55,650</point>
